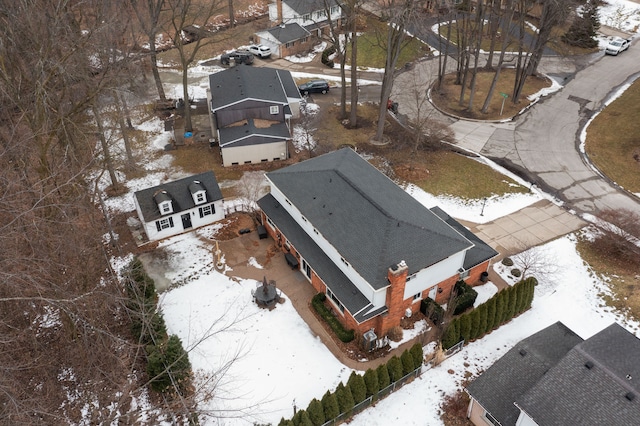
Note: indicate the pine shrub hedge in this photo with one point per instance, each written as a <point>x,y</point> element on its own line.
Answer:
<point>358,387</point>
<point>466,297</point>
<point>371,381</point>
<point>337,327</point>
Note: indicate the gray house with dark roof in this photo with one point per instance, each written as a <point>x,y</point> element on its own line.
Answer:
<point>250,110</point>
<point>297,24</point>
<point>179,206</point>
<point>554,377</point>
<point>371,247</point>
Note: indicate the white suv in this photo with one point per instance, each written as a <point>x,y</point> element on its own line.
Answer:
<point>260,50</point>
<point>617,45</point>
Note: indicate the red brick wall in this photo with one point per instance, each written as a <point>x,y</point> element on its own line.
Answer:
<point>395,300</point>
<point>474,274</point>
<point>444,289</point>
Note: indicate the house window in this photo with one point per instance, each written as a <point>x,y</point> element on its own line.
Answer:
<point>164,224</point>
<point>270,222</point>
<point>321,15</point>
<point>335,300</point>
<point>290,44</point>
<point>304,39</point>
<point>264,160</point>
<point>274,109</point>
<point>491,419</point>
<point>305,18</point>
<point>200,198</point>
<point>334,9</point>
<point>206,210</point>
<point>417,296</point>
<point>166,207</point>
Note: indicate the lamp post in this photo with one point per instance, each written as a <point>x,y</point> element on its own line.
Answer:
<point>484,202</point>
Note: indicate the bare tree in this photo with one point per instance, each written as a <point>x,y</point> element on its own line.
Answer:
<point>536,262</point>
<point>148,13</point>
<point>397,13</point>
<point>250,187</point>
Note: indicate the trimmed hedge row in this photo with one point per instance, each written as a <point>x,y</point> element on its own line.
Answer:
<point>357,389</point>
<point>496,311</point>
<point>167,361</point>
<point>337,327</point>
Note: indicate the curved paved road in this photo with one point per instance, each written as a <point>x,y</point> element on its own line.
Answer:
<point>545,140</point>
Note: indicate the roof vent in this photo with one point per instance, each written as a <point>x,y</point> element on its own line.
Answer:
<point>589,365</point>
<point>630,396</point>
<point>523,352</point>
<point>629,377</point>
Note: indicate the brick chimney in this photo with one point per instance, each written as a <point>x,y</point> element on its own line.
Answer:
<point>279,9</point>
<point>397,276</point>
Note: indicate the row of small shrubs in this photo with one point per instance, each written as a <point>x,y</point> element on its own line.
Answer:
<point>496,311</point>
<point>357,389</point>
<point>167,361</point>
<point>337,327</point>
<point>466,297</point>
<point>326,53</point>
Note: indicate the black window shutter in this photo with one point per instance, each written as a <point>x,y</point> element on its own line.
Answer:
<point>170,222</point>
<point>213,209</point>
<point>200,211</point>
<point>158,225</point>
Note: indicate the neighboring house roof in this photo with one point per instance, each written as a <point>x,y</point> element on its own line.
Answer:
<point>480,252</point>
<point>597,382</point>
<point>340,285</point>
<point>244,82</point>
<point>519,369</point>
<point>302,7</point>
<point>367,218</point>
<point>249,134</point>
<point>179,192</point>
<point>286,33</point>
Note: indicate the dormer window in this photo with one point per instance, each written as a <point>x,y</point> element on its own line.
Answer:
<point>198,192</point>
<point>164,202</point>
<point>273,110</point>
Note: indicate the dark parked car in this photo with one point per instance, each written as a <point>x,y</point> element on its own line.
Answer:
<point>238,56</point>
<point>314,86</point>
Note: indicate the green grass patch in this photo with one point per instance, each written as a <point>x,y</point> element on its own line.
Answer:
<point>613,140</point>
<point>460,176</point>
<point>621,278</point>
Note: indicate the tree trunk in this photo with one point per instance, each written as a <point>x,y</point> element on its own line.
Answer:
<point>232,17</point>
<point>108,161</point>
<point>123,131</point>
<point>478,34</point>
<point>353,116</point>
<point>506,23</point>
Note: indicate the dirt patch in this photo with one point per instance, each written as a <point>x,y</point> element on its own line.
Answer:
<point>233,223</point>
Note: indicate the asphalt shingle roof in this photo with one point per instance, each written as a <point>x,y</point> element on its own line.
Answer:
<point>372,222</point>
<point>519,369</point>
<point>352,299</point>
<point>596,383</point>
<point>302,7</point>
<point>249,134</point>
<point>286,33</point>
<point>178,191</point>
<point>243,82</point>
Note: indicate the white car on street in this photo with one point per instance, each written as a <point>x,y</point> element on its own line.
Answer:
<point>260,50</point>
<point>617,45</point>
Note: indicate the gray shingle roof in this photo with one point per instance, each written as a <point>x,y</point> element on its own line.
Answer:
<point>480,252</point>
<point>302,7</point>
<point>353,300</point>
<point>371,221</point>
<point>286,33</point>
<point>243,82</point>
<point>589,386</point>
<point>180,194</point>
<point>519,369</point>
<point>249,134</point>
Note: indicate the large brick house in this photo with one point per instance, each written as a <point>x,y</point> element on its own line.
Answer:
<point>554,377</point>
<point>372,248</point>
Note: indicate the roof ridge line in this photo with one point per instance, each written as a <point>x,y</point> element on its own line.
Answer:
<point>605,368</point>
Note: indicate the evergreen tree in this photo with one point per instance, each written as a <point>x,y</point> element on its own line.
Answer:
<point>417,354</point>
<point>284,422</point>
<point>168,364</point>
<point>316,413</point>
<point>330,406</point>
<point>451,334</point>
<point>383,376</point>
<point>358,387</point>
<point>513,301</point>
<point>491,313</point>
<point>500,298</point>
<point>371,381</point>
<point>531,288</point>
<point>465,327</point>
<point>304,419</point>
<point>407,362</point>
<point>482,319</point>
<point>584,28</point>
<point>344,398</point>
<point>394,367</point>
<point>474,318</point>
